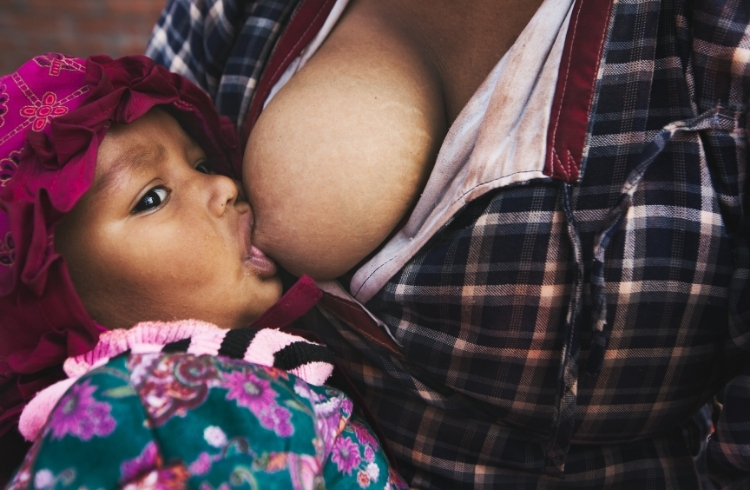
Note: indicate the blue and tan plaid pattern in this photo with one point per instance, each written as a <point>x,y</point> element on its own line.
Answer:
<point>547,323</point>
<point>553,329</point>
<point>221,45</point>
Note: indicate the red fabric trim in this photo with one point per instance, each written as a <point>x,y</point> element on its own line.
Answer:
<point>575,89</point>
<point>353,315</point>
<point>306,22</point>
<point>295,303</point>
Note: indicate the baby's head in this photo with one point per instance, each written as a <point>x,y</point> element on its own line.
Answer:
<point>160,235</point>
<point>116,208</point>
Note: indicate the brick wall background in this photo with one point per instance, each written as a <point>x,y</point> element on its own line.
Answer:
<point>76,27</point>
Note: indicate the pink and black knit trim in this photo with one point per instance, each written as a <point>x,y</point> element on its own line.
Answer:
<point>266,346</point>
<point>269,347</point>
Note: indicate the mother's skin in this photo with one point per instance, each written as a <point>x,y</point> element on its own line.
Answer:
<point>342,152</point>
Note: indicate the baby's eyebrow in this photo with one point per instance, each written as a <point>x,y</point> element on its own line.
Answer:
<point>129,162</point>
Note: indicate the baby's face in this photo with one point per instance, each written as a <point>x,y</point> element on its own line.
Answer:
<point>159,236</point>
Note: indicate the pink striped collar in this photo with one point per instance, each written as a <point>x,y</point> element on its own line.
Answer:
<point>151,336</point>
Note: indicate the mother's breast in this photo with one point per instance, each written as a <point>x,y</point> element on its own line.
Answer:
<point>342,152</point>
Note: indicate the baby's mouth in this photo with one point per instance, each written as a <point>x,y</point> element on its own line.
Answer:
<point>254,257</point>
<point>260,262</point>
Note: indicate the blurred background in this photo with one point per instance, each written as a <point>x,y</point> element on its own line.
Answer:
<point>76,27</point>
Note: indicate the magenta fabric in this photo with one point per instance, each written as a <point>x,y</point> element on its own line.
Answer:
<point>297,301</point>
<point>54,111</point>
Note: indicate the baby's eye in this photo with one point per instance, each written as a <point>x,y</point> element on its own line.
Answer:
<point>206,167</point>
<point>151,200</point>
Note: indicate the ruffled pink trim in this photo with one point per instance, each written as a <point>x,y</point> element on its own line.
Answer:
<point>148,337</point>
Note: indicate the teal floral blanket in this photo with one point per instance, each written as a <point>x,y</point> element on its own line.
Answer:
<point>202,422</point>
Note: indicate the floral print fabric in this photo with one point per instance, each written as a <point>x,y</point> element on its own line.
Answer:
<point>202,422</point>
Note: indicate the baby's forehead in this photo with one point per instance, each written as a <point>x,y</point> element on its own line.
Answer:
<point>149,140</point>
<point>157,125</point>
<point>128,158</point>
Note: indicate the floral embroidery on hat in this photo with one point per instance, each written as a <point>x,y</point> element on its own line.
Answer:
<point>8,166</point>
<point>7,250</point>
<point>58,62</point>
<point>41,111</point>
<point>44,112</point>
<point>3,103</point>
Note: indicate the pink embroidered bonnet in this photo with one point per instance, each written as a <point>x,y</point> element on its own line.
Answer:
<point>54,111</point>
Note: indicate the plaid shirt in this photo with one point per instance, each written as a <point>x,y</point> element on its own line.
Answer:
<point>222,46</point>
<point>571,326</point>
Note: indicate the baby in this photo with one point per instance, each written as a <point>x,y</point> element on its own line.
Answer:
<point>119,210</point>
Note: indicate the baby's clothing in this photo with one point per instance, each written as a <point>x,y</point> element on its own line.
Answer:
<point>268,347</point>
<point>136,412</point>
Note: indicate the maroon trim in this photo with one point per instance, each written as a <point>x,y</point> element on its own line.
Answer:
<point>307,20</point>
<point>355,316</point>
<point>302,296</point>
<point>575,89</point>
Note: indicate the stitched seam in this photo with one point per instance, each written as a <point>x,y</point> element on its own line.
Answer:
<point>567,75</point>
<point>557,165</point>
<point>570,162</point>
